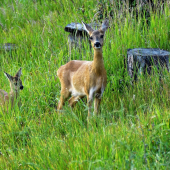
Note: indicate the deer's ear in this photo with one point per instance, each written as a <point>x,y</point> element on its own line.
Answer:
<point>8,76</point>
<point>88,28</point>
<point>105,25</point>
<point>18,73</point>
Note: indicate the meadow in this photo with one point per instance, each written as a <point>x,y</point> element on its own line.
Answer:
<point>133,128</point>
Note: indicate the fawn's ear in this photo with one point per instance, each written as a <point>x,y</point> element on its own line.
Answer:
<point>18,73</point>
<point>8,76</point>
<point>105,25</point>
<point>88,28</point>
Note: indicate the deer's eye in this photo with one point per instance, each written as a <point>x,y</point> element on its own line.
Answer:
<point>101,36</point>
<point>15,84</point>
<point>91,38</point>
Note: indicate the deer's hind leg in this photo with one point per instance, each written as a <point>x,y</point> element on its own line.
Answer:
<point>64,96</point>
<point>73,100</point>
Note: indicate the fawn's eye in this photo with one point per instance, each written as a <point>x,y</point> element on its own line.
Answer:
<point>15,84</point>
<point>101,36</point>
<point>91,38</point>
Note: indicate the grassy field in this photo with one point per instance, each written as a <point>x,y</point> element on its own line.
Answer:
<point>133,129</point>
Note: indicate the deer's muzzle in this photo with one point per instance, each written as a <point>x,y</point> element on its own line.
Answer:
<point>21,87</point>
<point>97,45</point>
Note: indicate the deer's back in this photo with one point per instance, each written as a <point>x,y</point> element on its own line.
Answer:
<point>70,68</point>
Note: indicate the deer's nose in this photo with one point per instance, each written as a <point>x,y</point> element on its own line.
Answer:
<point>97,44</point>
<point>21,87</point>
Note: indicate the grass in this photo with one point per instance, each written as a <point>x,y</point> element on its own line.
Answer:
<point>133,127</point>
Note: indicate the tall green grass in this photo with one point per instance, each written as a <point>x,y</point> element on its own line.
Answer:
<point>132,131</point>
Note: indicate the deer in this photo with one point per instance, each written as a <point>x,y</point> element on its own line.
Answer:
<point>13,96</point>
<point>81,78</point>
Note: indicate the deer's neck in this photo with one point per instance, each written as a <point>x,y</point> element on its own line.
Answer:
<point>98,64</point>
<point>14,95</point>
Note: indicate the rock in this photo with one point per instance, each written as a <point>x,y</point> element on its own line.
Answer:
<point>8,47</point>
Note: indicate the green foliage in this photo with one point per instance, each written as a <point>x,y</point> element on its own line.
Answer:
<point>132,131</point>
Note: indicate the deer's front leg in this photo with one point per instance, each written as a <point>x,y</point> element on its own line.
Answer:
<point>96,105</point>
<point>89,104</point>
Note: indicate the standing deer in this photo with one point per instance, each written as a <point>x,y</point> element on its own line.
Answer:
<point>85,78</point>
<point>16,86</point>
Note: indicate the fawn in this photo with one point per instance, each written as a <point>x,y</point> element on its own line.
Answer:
<point>85,78</point>
<point>16,86</point>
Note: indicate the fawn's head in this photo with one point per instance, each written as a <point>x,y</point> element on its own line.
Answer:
<point>15,82</point>
<point>96,36</point>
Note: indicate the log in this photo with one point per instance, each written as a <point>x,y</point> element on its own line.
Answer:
<point>141,60</point>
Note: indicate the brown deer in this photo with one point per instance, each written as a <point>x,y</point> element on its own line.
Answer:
<point>16,86</point>
<point>85,78</point>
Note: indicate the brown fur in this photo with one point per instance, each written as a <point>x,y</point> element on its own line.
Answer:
<point>85,78</point>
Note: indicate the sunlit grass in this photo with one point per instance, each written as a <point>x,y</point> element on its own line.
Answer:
<point>132,130</point>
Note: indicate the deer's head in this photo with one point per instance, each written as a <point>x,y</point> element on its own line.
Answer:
<point>96,37</point>
<point>15,82</point>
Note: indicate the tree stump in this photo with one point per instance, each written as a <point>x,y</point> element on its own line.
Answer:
<point>141,60</point>
<point>77,35</point>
